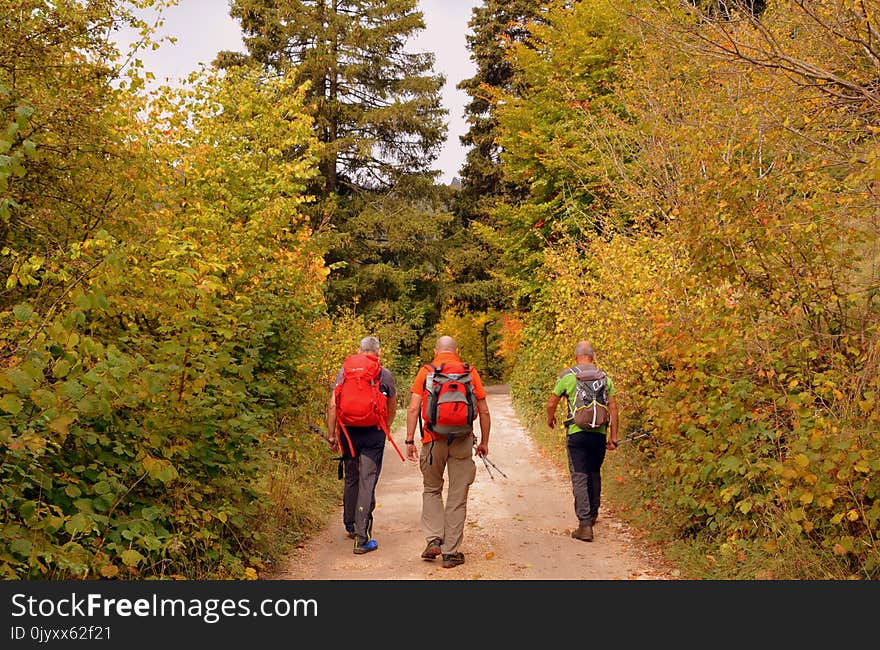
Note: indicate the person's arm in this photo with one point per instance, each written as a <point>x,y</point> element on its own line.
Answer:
<point>485,426</point>
<point>552,403</point>
<point>331,422</point>
<point>613,422</point>
<point>412,420</point>
<point>392,411</point>
<point>392,402</point>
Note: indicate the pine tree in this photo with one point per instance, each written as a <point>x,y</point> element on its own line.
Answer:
<point>376,105</point>
<point>378,114</point>
<point>493,27</point>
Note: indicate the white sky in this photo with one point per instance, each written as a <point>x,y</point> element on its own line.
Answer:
<point>203,28</point>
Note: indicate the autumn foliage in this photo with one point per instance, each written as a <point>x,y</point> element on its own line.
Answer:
<point>703,207</point>
<point>163,336</point>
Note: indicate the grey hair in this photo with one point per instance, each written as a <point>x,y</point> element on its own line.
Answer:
<point>584,349</point>
<point>369,344</point>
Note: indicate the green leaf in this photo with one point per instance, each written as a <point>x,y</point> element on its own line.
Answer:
<point>78,523</point>
<point>21,380</point>
<point>102,487</point>
<point>11,404</point>
<point>43,398</point>
<point>61,424</point>
<point>61,368</point>
<point>23,311</point>
<point>131,557</point>
<point>22,547</point>
<point>150,513</point>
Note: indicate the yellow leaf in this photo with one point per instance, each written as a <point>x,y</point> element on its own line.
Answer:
<point>131,557</point>
<point>109,570</point>
<point>61,424</point>
<point>250,573</point>
<point>852,515</point>
<point>490,555</point>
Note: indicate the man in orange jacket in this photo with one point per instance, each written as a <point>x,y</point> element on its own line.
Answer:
<point>443,525</point>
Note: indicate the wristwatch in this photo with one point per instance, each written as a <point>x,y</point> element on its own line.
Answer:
<point>409,442</point>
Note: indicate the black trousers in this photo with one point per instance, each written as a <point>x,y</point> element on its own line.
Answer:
<point>361,473</point>
<point>586,453</point>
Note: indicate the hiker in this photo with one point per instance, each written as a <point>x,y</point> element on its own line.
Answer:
<point>591,423</point>
<point>445,419</point>
<point>362,446</point>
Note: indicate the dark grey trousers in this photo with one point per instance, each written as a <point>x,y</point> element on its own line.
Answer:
<point>361,476</point>
<point>586,453</point>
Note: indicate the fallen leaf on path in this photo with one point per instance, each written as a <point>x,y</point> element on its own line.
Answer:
<point>490,555</point>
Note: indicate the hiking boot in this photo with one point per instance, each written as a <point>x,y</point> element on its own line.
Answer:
<point>366,547</point>
<point>584,532</point>
<point>349,530</point>
<point>432,550</point>
<point>452,560</point>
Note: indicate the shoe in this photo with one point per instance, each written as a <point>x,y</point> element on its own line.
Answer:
<point>452,560</point>
<point>349,530</point>
<point>432,550</point>
<point>584,532</point>
<point>366,547</point>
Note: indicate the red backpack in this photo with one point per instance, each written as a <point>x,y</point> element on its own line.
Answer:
<point>359,399</point>
<point>449,404</point>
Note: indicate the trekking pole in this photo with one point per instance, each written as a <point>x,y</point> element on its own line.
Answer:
<point>338,459</point>
<point>486,460</point>
<point>486,465</point>
<point>631,438</point>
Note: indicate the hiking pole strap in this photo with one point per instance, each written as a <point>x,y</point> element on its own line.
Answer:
<point>384,426</point>
<point>341,427</point>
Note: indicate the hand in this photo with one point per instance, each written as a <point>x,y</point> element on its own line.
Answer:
<point>551,422</point>
<point>483,449</point>
<point>411,452</point>
<point>611,444</point>
<point>333,441</point>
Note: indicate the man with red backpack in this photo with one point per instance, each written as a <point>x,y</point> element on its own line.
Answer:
<point>447,397</point>
<point>359,416</point>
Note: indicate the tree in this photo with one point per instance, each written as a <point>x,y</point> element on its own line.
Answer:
<point>377,112</point>
<point>494,27</point>
<point>376,106</point>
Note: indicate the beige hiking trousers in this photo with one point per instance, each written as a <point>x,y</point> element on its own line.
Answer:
<point>446,522</point>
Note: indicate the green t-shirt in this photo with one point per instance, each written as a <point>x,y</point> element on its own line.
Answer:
<point>565,387</point>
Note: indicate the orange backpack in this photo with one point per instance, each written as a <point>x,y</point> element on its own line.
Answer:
<point>359,398</point>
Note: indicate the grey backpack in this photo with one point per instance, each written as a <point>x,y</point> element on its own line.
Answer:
<point>590,410</point>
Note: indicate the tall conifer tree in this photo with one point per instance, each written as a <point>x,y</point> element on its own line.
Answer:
<point>494,26</point>
<point>376,104</point>
<point>377,110</point>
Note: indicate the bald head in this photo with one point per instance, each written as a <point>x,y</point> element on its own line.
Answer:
<point>584,350</point>
<point>446,344</point>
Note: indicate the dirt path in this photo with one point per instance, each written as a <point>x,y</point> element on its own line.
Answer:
<point>518,528</point>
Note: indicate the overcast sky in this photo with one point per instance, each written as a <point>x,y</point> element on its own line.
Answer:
<point>203,28</point>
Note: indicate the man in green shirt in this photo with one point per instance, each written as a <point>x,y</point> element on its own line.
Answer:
<point>586,444</point>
